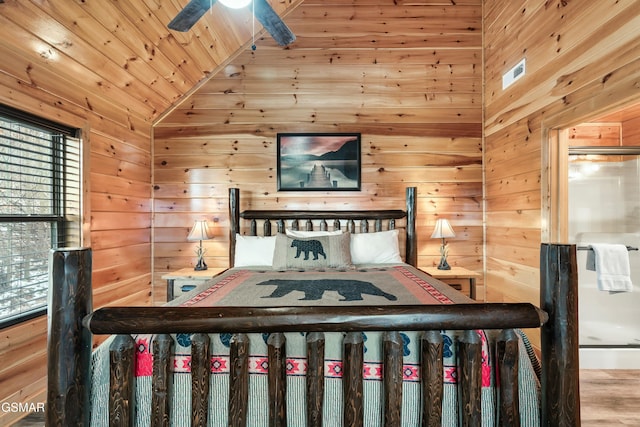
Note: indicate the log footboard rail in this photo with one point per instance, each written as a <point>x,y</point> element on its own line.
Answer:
<point>72,322</point>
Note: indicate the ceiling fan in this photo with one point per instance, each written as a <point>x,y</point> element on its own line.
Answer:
<point>262,10</point>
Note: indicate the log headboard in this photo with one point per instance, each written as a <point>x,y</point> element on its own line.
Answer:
<point>323,217</point>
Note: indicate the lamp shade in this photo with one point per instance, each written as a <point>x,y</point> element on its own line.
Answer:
<point>235,4</point>
<point>443,229</point>
<point>200,231</point>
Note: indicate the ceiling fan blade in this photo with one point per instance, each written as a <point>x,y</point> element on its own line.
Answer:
<point>188,16</point>
<point>272,23</point>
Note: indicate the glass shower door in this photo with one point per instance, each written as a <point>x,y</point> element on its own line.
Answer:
<point>604,207</point>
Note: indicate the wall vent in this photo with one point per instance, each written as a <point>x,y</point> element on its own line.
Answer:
<point>513,74</point>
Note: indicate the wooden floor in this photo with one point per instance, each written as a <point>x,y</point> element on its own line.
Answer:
<point>607,398</point>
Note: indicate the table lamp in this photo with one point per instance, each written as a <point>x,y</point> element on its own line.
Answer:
<point>443,230</point>
<point>200,232</point>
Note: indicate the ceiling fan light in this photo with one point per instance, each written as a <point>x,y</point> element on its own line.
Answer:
<point>235,4</point>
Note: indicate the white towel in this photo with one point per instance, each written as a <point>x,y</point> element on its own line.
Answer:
<point>612,267</point>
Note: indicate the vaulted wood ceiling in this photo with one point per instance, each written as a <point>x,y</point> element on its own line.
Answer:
<point>119,54</point>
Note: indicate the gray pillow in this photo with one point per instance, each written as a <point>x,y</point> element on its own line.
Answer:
<point>312,252</point>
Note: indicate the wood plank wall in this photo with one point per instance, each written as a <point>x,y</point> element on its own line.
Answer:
<point>596,135</point>
<point>117,211</point>
<point>109,68</point>
<point>407,75</point>
<point>631,131</point>
<point>581,60</point>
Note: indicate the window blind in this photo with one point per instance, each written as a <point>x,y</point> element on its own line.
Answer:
<point>40,207</point>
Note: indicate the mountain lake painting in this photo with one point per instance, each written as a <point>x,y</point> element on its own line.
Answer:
<point>313,161</point>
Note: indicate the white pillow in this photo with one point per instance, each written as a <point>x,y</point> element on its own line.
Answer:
<point>303,234</point>
<point>254,250</point>
<point>375,248</point>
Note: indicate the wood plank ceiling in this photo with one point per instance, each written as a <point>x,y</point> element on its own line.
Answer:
<point>119,55</point>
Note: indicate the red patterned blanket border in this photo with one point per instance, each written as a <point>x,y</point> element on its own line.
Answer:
<point>204,294</point>
<point>297,366</point>
<point>259,365</point>
<point>424,285</point>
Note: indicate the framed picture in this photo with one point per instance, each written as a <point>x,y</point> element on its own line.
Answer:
<point>318,161</point>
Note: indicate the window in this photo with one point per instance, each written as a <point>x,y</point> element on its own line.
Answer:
<point>40,208</point>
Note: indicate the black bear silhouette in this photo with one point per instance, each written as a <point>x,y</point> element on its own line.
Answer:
<point>350,290</point>
<point>306,246</point>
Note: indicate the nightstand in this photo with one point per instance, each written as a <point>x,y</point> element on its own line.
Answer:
<point>186,279</point>
<point>452,278</point>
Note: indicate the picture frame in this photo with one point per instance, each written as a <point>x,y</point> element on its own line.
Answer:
<point>319,161</point>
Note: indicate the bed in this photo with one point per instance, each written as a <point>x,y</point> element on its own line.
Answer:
<point>277,341</point>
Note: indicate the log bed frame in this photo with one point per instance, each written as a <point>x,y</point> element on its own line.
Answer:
<point>72,322</point>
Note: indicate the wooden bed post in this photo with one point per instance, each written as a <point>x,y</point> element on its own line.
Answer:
<point>69,343</point>
<point>559,336</point>
<point>234,222</point>
<point>412,239</point>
